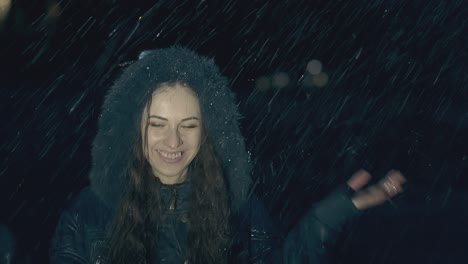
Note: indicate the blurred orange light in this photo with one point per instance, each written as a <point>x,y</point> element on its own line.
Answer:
<point>54,10</point>
<point>320,80</point>
<point>5,6</point>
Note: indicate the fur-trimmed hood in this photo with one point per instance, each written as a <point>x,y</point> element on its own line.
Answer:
<point>123,105</point>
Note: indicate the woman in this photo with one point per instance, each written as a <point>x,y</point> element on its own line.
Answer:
<point>170,179</point>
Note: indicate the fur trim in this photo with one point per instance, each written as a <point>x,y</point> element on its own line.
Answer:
<point>119,120</point>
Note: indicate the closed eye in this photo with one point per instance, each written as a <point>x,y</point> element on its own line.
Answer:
<point>190,126</point>
<point>156,125</point>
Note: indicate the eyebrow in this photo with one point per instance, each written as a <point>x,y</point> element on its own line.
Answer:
<point>165,119</point>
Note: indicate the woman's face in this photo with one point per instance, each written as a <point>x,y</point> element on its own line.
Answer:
<point>174,132</point>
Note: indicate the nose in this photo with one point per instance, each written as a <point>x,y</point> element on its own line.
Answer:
<point>173,139</point>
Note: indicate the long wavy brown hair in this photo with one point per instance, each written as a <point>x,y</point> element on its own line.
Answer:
<point>138,218</point>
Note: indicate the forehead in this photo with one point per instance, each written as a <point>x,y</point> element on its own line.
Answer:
<point>174,100</point>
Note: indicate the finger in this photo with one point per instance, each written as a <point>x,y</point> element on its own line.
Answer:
<point>359,180</point>
<point>391,184</point>
<point>396,177</point>
<point>369,197</point>
<point>385,189</point>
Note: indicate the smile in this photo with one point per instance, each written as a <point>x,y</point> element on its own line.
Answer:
<point>175,156</point>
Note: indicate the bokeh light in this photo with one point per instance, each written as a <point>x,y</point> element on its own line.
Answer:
<point>320,80</point>
<point>5,6</point>
<point>263,83</point>
<point>314,67</point>
<point>54,10</point>
<point>280,80</point>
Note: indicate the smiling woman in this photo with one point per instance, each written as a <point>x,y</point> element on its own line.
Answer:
<point>171,142</point>
<point>171,182</point>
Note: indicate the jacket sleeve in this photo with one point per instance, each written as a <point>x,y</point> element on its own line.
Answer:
<point>67,242</point>
<point>308,241</point>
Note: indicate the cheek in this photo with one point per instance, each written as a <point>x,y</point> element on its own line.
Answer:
<point>151,141</point>
<point>153,136</point>
<point>197,139</point>
<point>192,142</point>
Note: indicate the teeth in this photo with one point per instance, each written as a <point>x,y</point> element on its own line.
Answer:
<point>168,155</point>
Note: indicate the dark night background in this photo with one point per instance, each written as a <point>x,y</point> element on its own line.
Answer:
<point>391,93</point>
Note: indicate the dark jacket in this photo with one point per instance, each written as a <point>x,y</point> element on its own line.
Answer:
<point>7,245</point>
<point>83,230</point>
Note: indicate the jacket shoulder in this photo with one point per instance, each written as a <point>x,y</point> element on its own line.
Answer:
<point>89,209</point>
<point>82,232</point>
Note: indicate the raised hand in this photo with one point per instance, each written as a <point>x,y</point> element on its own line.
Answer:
<point>376,194</point>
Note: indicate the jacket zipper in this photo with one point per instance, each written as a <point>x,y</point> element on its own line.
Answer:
<point>173,200</point>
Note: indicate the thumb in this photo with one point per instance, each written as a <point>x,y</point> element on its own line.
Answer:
<point>359,180</point>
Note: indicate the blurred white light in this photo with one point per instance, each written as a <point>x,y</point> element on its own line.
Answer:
<point>4,8</point>
<point>314,67</point>
<point>280,80</point>
<point>263,83</point>
<point>320,79</point>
